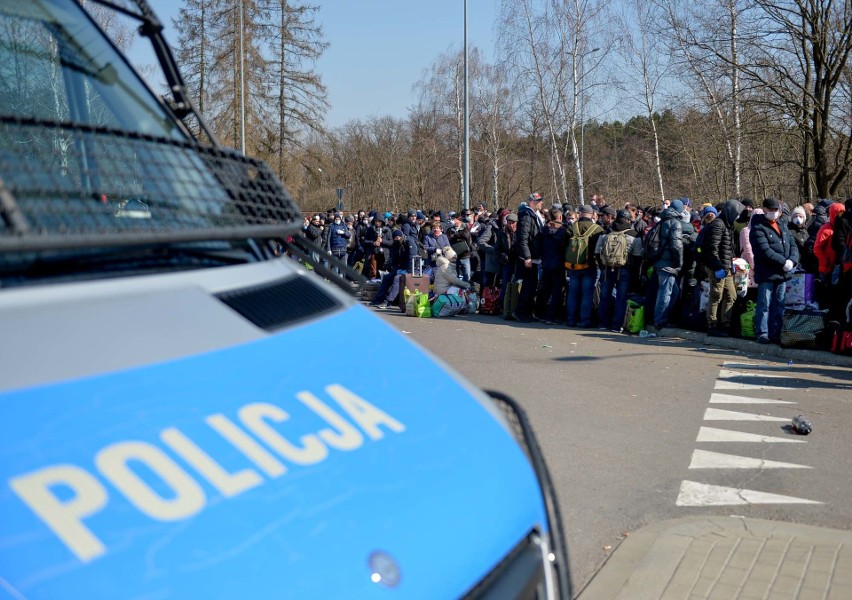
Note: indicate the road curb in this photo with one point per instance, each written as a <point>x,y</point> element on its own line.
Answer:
<point>772,350</point>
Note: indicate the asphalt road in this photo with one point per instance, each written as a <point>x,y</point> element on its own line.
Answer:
<point>621,419</point>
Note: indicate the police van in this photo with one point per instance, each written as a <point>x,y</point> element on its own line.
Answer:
<point>181,415</point>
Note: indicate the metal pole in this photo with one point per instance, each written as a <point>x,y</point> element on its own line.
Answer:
<point>242,86</point>
<point>466,193</point>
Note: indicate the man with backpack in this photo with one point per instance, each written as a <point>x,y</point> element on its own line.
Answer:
<point>618,250</point>
<point>716,253</point>
<point>581,239</point>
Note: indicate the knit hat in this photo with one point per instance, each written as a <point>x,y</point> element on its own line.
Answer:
<point>608,210</point>
<point>396,233</point>
<point>677,206</point>
<point>586,209</point>
<point>709,210</point>
<point>800,210</point>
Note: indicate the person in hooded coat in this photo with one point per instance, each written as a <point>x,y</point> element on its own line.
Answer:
<point>717,254</point>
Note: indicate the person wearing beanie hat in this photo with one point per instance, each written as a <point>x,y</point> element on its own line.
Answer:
<point>709,210</point>
<point>717,254</point>
<point>799,229</point>
<point>775,256</point>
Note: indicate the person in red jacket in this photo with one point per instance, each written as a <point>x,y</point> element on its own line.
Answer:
<point>823,250</point>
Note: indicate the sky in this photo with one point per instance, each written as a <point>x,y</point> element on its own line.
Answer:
<point>380,48</point>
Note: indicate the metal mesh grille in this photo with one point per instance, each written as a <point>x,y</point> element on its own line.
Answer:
<point>64,185</point>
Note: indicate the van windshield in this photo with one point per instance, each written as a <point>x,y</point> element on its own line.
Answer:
<point>55,65</point>
<point>89,157</point>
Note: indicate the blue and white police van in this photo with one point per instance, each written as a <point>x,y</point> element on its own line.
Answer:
<point>179,416</point>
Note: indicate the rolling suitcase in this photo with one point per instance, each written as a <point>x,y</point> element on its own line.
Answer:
<point>412,283</point>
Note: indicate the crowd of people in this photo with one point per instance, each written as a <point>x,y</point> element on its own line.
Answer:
<point>580,265</point>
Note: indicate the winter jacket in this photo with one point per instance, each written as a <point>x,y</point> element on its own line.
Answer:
<point>842,239</point>
<point>313,233</point>
<point>338,237</point>
<point>445,276</point>
<point>800,236</point>
<point>486,242</point>
<point>747,254</point>
<point>717,251</point>
<point>671,242</point>
<point>552,244</point>
<point>823,249</point>
<point>432,243</point>
<point>460,234</point>
<point>401,253</point>
<point>371,234</point>
<point>528,234</point>
<point>771,250</point>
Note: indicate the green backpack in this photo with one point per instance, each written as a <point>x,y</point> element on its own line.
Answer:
<point>577,251</point>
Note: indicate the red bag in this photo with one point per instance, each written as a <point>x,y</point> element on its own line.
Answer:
<point>841,341</point>
<point>490,303</point>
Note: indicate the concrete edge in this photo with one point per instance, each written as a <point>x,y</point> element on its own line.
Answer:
<point>820,357</point>
<point>615,573</point>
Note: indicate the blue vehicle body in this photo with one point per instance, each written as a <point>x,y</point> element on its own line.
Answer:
<point>177,418</point>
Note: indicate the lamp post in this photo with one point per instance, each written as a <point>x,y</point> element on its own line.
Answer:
<point>582,185</point>
<point>466,176</point>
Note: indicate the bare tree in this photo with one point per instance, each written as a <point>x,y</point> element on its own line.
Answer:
<point>705,37</point>
<point>294,42</point>
<point>643,54</point>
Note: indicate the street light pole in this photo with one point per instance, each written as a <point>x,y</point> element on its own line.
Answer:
<point>242,86</point>
<point>582,186</point>
<point>466,177</point>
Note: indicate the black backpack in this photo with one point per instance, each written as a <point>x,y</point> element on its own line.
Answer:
<point>652,243</point>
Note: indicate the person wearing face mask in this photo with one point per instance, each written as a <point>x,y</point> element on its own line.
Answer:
<point>775,257</point>
<point>338,238</point>
<point>799,230</point>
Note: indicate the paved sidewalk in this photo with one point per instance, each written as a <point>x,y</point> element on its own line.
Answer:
<point>820,357</point>
<point>725,558</point>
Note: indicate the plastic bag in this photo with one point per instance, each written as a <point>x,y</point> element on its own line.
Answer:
<point>634,320</point>
<point>747,320</point>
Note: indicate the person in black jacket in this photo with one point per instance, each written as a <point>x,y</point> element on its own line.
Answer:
<point>775,257</point>
<point>668,261</point>
<point>528,246</point>
<point>462,244</point>
<point>717,255</point>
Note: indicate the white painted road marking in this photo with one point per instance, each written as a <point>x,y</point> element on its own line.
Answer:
<point>716,414</point>
<point>746,365</point>
<point>693,493</point>
<point>702,459</point>
<point>727,374</point>
<point>724,384</point>
<point>728,399</point>
<point>711,434</point>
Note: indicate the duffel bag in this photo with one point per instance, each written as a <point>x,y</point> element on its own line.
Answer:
<point>447,305</point>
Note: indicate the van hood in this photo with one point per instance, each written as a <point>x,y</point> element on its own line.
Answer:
<point>286,467</point>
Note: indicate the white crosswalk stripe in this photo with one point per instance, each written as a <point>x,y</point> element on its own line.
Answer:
<point>711,434</point>
<point>716,414</point>
<point>704,459</point>
<point>693,493</point>
<point>729,399</point>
